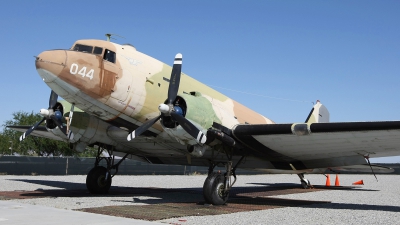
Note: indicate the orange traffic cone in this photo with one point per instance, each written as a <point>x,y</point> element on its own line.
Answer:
<point>337,183</point>
<point>360,182</point>
<point>328,181</point>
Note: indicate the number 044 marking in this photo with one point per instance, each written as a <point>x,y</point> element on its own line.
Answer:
<point>75,70</point>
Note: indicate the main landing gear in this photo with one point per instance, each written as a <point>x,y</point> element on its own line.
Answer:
<point>98,180</point>
<point>217,186</point>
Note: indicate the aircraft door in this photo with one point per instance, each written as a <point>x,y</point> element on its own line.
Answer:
<point>122,85</point>
<point>110,72</point>
<point>115,80</point>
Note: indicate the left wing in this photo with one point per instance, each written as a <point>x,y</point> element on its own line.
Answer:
<point>40,131</point>
<point>320,145</point>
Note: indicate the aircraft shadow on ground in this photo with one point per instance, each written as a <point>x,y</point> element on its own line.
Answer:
<point>239,195</point>
<point>345,188</point>
<point>56,184</point>
<point>363,207</point>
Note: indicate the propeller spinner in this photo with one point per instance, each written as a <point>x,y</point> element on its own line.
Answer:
<point>168,109</point>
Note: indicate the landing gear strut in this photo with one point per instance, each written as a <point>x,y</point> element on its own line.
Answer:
<point>98,180</point>
<point>304,182</point>
<point>217,186</point>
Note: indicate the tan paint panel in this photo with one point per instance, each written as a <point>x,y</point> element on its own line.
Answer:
<point>245,114</point>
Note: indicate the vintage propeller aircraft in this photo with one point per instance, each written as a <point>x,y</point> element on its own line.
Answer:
<point>137,107</point>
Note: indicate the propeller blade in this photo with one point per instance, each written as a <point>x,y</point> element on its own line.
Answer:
<point>175,78</point>
<point>53,99</point>
<point>45,113</point>
<point>142,128</point>
<point>70,135</point>
<point>190,128</point>
<point>24,135</point>
<point>59,124</point>
<point>71,113</point>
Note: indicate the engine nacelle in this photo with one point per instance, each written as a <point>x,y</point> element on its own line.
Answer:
<point>86,129</point>
<point>195,108</point>
<point>89,129</point>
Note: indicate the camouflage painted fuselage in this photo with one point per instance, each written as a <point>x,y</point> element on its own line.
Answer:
<point>130,88</point>
<point>119,89</point>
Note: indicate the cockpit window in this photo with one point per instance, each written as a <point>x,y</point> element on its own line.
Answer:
<point>83,48</point>
<point>97,50</point>
<point>109,56</point>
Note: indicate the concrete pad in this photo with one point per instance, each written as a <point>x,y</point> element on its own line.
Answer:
<point>16,213</point>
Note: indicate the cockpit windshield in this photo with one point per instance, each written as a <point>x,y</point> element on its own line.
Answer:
<point>88,49</point>
<point>83,48</point>
<point>107,54</point>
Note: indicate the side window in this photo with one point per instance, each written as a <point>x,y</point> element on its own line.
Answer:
<point>109,56</point>
<point>83,48</point>
<point>97,50</point>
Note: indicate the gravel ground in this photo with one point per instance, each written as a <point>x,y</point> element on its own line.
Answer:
<point>373,203</point>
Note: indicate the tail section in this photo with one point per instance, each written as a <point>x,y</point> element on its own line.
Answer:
<point>319,114</point>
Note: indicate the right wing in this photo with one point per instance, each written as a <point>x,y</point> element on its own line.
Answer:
<point>317,143</point>
<point>320,145</point>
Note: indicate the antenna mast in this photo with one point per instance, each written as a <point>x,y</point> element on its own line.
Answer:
<point>109,36</point>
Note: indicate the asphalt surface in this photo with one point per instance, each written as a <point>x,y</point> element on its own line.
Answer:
<point>255,199</point>
<point>19,213</point>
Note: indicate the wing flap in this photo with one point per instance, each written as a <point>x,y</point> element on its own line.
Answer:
<point>364,169</point>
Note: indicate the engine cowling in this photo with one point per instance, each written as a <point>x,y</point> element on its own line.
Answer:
<point>89,129</point>
<point>194,107</point>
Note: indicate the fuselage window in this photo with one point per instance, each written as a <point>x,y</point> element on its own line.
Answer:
<point>109,56</point>
<point>83,48</point>
<point>98,50</point>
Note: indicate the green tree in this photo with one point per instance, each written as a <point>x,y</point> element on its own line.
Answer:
<point>5,144</point>
<point>33,145</point>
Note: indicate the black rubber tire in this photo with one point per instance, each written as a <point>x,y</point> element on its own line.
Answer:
<point>89,186</point>
<point>95,180</point>
<point>212,189</point>
<point>207,187</point>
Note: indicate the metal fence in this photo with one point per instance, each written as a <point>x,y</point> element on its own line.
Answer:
<point>27,165</point>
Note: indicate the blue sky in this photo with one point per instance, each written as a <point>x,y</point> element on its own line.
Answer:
<point>344,53</point>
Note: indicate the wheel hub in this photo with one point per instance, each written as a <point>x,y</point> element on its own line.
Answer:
<point>220,190</point>
<point>101,181</point>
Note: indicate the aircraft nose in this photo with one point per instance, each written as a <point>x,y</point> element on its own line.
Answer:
<point>50,64</point>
